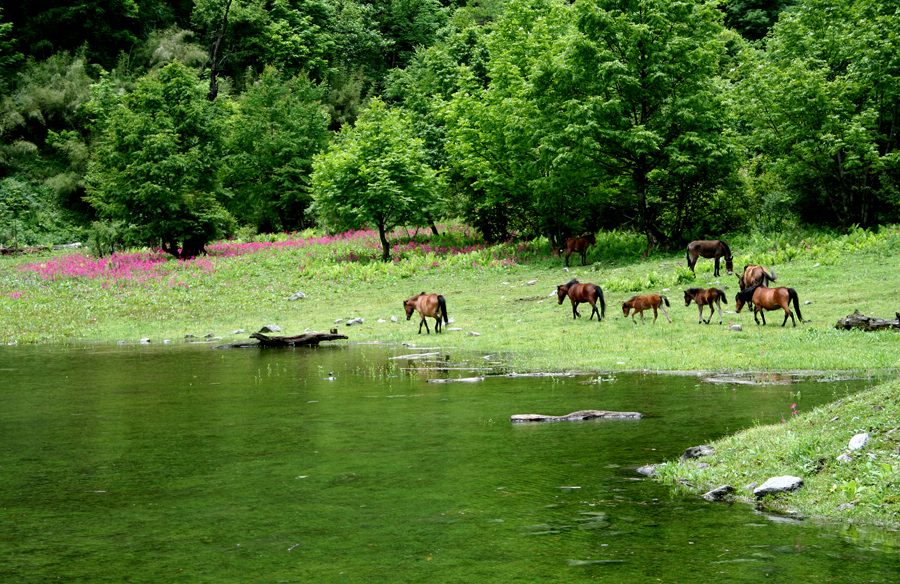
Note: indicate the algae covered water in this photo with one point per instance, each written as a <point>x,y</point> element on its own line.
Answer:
<point>346,464</point>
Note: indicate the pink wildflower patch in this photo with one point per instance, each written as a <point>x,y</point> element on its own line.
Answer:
<point>16,294</point>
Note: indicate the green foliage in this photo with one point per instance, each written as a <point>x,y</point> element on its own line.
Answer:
<point>376,173</point>
<point>154,167</point>
<point>29,215</point>
<point>822,104</point>
<point>754,18</point>
<point>279,125</point>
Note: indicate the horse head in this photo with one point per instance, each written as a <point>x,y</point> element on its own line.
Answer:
<point>626,307</point>
<point>743,297</point>
<point>729,264</point>
<point>409,305</point>
<point>561,292</point>
<point>689,295</point>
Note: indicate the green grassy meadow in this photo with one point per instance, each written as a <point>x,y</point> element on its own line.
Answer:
<point>505,294</point>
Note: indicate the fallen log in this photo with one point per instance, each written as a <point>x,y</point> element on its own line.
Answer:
<point>858,320</point>
<point>578,416</point>
<point>304,340</point>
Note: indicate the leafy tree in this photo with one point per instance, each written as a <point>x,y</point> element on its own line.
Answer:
<point>155,164</point>
<point>10,57</point>
<point>643,87</point>
<point>822,103</point>
<point>753,18</point>
<point>376,173</point>
<point>278,127</point>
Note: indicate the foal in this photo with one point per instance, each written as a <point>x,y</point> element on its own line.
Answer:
<point>712,297</point>
<point>642,302</point>
<point>432,305</point>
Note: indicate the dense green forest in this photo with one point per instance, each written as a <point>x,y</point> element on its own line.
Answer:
<point>171,124</point>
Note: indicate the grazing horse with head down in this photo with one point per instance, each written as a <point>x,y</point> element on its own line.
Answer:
<point>578,293</point>
<point>769,299</point>
<point>754,275</point>
<point>712,297</point>
<point>432,305</point>
<point>579,244</point>
<point>709,248</point>
<point>642,302</point>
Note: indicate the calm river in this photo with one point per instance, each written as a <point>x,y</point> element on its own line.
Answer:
<point>342,464</point>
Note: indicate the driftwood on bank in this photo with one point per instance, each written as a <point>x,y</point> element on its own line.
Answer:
<point>304,340</point>
<point>858,320</point>
<point>578,416</point>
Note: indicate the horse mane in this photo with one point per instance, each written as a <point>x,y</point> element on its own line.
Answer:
<point>727,249</point>
<point>571,282</point>
<point>746,294</point>
<point>692,290</point>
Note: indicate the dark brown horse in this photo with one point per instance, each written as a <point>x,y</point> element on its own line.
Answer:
<point>707,248</point>
<point>578,293</point>
<point>432,305</point>
<point>579,244</point>
<point>754,275</point>
<point>712,297</point>
<point>769,299</point>
<point>642,302</point>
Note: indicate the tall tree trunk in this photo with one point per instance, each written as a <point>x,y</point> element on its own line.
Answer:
<point>214,66</point>
<point>385,246</point>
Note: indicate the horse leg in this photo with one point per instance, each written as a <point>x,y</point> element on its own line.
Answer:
<point>716,271</point>
<point>756,316</point>
<point>584,258</point>
<point>594,310</point>
<point>700,306</point>
<point>575,310</point>
<point>568,253</point>
<point>425,322</point>
<point>719,306</point>
<point>662,306</point>
<point>762,314</point>
<point>437,323</point>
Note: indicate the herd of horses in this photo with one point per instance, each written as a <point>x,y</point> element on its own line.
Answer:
<point>753,283</point>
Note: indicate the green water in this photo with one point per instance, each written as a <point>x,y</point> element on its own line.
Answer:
<point>188,464</point>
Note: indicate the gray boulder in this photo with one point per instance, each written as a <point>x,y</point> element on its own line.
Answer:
<point>719,494</point>
<point>780,484</point>
<point>858,441</point>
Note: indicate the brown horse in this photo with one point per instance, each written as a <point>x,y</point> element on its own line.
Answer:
<point>578,293</point>
<point>769,299</point>
<point>709,249</point>
<point>754,275</point>
<point>642,302</point>
<point>712,297</point>
<point>432,305</point>
<point>579,244</point>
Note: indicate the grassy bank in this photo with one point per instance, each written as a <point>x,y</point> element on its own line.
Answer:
<point>866,488</point>
<point>503,293</point>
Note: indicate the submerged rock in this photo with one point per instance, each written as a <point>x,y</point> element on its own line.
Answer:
<point>576,416</point>
<point>780,484</point>
<point>648,470</point>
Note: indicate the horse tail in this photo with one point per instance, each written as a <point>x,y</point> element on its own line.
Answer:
<point>792,295</point>
<point>770,274</point>
<point>722,294</point>
<point>602,301</point>
<point>442,304</point>
<point>666,300</point>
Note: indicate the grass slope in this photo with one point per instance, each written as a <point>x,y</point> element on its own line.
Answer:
<point>866,489</point>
